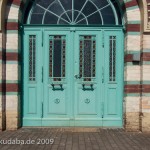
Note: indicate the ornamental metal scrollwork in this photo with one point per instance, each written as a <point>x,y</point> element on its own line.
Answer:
<point>145,4</point>
<point>87,101</point>
<point>148,25</point>
<point>57,101</point>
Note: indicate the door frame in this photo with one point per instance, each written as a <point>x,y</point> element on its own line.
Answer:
<point>66,28</point>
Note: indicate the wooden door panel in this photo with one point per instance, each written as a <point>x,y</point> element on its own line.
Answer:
<point>32,81</point>
<point>87,86</point>
<point>87,103</point>
<point>57,82</point>
<point>113,45</point>
<point>77,79</point>
<point>57,102</point>
<point>32,100</point>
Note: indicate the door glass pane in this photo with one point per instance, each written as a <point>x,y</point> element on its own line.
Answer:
<point>57,50</point>
<point>108,16</point>
<point>87,57</point>
<point>112,58</point>
<point>32,57</point>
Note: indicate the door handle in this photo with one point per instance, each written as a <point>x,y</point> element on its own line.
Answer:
<point>87,89</point>
<point>57,89</point>
<point>77,76</point>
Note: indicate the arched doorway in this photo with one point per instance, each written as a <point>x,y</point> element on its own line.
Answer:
<point>73,64</point>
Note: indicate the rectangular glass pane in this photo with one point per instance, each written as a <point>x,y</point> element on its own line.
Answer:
<point>57,58</point>
<point>57,50</point>
<point>87,57</point>
<point>32,57</point>
<point>112,58</point>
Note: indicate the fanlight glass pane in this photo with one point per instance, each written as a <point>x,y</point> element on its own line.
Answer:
<point>75,12</point>
<point>87,57</point>
<point>57,50</point>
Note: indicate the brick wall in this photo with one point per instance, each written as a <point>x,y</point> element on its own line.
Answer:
<point>146,82</point>
<point>0,80</point>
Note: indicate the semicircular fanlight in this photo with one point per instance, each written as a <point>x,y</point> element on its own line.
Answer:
<point>74,12</point>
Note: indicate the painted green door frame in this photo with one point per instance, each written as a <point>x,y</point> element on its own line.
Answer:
<point>95,102</point>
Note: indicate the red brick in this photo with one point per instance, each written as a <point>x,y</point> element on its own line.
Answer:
<point>131,3</point>
<point>133,27</point>
<point>128,58</point>
<point>12,26</point>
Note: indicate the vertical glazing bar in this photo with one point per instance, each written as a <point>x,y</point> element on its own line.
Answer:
<point>72,11</point>
<point>83,58</point>
<point>91,57</point>
<point>64,56</point>
<point>112,58</point>
<point>52,56</point>
<point>61,51</point>
<point>32,60</point>
<point>112,61</point>
<point>34,57</point>
<point>81,11</point>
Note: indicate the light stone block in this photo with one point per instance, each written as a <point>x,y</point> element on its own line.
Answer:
<point>132,121</point>
<point>0,71</point>
<point>12,72</point>
<point>133,42</point>
<point>11,123</point>
<point>146,42</point>
<point>146,122</point>
<point>146,104</point>
<point>132,104</point>
<point>12,12</point>
<point>132,73</point>
<point>12,41</point>
<point>0,40</point>
<point>0,103</point>
<point>133,15</point>
<point>146,72</point>
<point>11,103</point>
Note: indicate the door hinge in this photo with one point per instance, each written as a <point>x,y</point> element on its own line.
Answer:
<point>42,111</point>
<point>102,109</point>
<point>42,74</point>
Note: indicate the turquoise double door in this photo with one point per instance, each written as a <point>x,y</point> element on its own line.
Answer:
<point>72,76</point>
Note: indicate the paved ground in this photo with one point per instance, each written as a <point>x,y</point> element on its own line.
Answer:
<point>73,139</point>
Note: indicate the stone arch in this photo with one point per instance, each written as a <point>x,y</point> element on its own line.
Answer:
<point>14,14</point>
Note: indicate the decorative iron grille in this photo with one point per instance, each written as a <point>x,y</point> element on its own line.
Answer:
<point>32,57</point>
<point>112,58</point>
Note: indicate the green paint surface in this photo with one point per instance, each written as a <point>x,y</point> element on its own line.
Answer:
<point>73,106</point>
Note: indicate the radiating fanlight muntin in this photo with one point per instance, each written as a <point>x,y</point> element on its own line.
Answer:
<point>74,12</point>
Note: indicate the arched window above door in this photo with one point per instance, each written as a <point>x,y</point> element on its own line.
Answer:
<point>74,12</point>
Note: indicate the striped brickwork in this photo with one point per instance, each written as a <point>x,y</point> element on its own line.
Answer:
<point>136,74</point>
<point>146,82</point>
<point>132,70</point>
<point>0,80</point>
<point>12,66</point>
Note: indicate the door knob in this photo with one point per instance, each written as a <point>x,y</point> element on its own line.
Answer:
<point>77,76</point>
